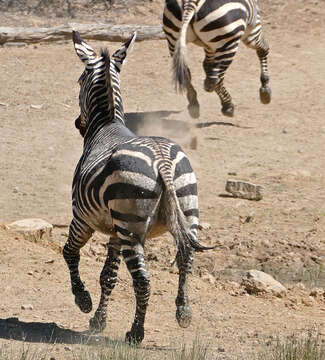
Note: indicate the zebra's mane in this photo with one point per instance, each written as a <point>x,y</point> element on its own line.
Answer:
<point>108,79</point>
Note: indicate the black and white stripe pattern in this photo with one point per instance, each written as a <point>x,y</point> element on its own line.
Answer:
<point>217,26</point>
<point>128,187</point>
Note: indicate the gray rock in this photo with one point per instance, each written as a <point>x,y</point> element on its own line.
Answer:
<point>27,307</point>
<point>244,190</point>
<point>256,282</point>
<point>37,229</point>
<point>204,226</point>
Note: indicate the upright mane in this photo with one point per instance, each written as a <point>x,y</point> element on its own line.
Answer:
<point>107,63</point>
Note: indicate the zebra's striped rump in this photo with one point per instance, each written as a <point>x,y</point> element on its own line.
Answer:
<point>217,26</point>
<point>127,187</point>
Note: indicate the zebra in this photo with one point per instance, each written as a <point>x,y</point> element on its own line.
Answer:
<point>128,187</point>
<point>217,26</point>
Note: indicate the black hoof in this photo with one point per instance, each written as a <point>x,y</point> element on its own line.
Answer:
<point>135,335</point>
<point>228,110</point>
<point>184,316</point>
<point>97,325</point>
<point>265,95</point>
<point>194,110</point>
<point>209,85</point>
<point>83,300</point>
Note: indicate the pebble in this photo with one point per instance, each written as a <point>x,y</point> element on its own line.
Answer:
<point>27,307</point>
<point>204,226</point>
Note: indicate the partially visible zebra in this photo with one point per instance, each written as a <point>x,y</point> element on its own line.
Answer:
<point>217,26</point>
<point>127,187</point>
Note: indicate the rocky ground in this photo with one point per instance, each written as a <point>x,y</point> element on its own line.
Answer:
<point>278,146</point>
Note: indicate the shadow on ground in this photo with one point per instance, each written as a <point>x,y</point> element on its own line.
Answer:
<point>220,123</point>
<point>51,333</point>
<point>14,329</point>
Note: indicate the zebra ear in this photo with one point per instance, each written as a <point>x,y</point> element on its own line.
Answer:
<point>83,50</point>
<point>120,54</point>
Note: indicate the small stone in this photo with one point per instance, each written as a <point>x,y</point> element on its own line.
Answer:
<point>256,281</point>
<point>27,307</point>
<point>49,261</point>
<point>204,226</point>
<point>244,190</point>
<point>308,301</point>
<point>36,106</point>
<point>36,229</point>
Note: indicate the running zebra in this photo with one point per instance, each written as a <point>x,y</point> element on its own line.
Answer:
<point>127,187</point>
<point>217,26</point>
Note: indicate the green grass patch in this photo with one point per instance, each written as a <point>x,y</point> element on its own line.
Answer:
<point>309,347</point>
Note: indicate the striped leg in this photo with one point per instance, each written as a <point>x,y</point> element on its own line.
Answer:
<point>79,233</point>
<point>215,68</point>
<point>256,41</point>
<point>108,280</point>
<point>193,106</point>
<point>134,258</point>
<point>183,309</point>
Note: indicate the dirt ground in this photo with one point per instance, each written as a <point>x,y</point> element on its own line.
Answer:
<point>280,146</point>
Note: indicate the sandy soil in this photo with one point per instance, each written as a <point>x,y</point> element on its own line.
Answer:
<point>279,146</point>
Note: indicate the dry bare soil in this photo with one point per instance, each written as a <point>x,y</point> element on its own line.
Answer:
<point>280,146</point>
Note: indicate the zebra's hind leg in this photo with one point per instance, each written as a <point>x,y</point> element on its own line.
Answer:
<point>134,258</point>
<point>215,68</point>
<point>265,90</point>
<point>108,280</point>
<point>193,106</point>
<point>183,309</point>
<point>79,233</point>
<point>257,42</point>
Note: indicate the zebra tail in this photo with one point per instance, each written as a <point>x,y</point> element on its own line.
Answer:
<point>177,223</point>
<point>181,73</point>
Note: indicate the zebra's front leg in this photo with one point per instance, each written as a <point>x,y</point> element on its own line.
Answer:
<point>79,233</point>
<point>193,106</point>
<point>108,280</point>
<point>183,308</point>
<point>214,82</point>
<point>265,91</point>
<point>134,258</point>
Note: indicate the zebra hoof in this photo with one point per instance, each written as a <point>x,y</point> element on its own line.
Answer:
<point>135,335</point>
<point>228,110</point>
<point>83,301</point>
<point>209,84</point>
<point>265,95</point>
<point>194,110</point>
<point>97,325</point>
<point>184,316</point>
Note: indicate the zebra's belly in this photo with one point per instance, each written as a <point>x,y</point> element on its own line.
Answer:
<point>156,230</point>
<point>102,223</point>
